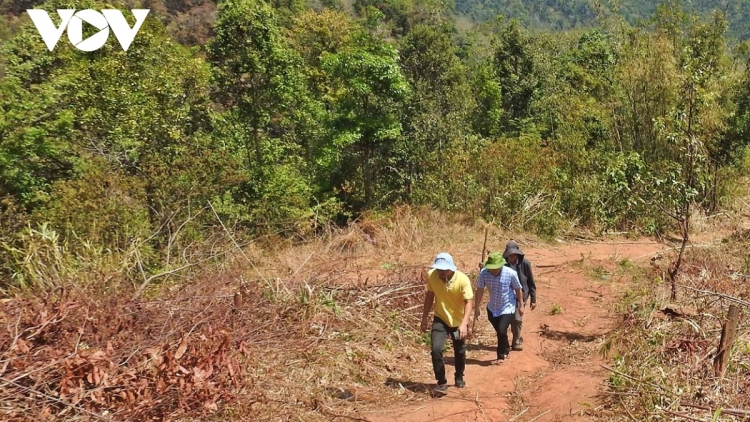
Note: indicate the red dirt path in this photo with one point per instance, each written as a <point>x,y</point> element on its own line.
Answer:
<point>557,376</point>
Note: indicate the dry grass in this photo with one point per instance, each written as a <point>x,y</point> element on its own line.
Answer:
<point>281,353</point>
<point>663,360</point>
<point>325,328</point>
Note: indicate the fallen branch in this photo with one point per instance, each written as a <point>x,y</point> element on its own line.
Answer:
<point>146,282</point>
<point>682,415</point>
<point>733,412</point>
<point>53,398</point>
<point>237,244</point>
<point>479,406</point>
<point>628,411</point>
<point>519,415</point>
<point>633,378</point>
<point>12,346</point>
<point>335,416</point>
<point>732,298</point>
<point>540,415</point>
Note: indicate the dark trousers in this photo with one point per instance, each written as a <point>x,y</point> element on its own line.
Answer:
<point>501,324</point>
<point>515,327</point>
<point>440,332</point>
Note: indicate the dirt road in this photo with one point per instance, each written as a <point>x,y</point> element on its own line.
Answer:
<point>557,377</point>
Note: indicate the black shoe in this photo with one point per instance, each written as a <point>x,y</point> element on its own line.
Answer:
<point>460,383</point>
<point>517,345</point>
<point>441,389</point>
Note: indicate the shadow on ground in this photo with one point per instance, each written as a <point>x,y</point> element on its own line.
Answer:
<point>414,387</point>
<point>487,348</point>
<point>450,361</point>
<point>551,334</point>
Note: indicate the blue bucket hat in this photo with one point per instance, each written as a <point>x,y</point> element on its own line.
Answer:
<point>444,261</point>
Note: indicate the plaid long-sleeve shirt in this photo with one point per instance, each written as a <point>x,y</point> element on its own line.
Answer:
<point>501,289</point>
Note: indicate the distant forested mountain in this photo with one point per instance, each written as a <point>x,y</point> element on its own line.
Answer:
<point>190,21</point>
<point>566,14</point>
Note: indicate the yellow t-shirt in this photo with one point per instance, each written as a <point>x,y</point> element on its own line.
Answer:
<point>450,297</point>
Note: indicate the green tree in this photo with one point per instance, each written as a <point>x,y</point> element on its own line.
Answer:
<point>517,74</point>
<point>109,145</point>
<point>685,178</point>
<point>259,81</point>
<point>369,94</point>
<point>438,115</point>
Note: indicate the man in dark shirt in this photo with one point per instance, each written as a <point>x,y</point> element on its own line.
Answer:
<point>517,261</point>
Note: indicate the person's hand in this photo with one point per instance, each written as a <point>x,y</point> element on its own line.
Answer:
<point>423,327</point>
<point>520,310</point>
<point>476,315</point>
<point>463,331</point>
<point>481,266</point>
<point>533,305</point>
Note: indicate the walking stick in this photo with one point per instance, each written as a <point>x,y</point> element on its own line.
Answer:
<point>484,251</point>
<point>484,247</point>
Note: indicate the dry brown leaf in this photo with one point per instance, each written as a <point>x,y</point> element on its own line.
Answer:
<point>181,348</point>
<point>151,352</point>
<point>161,386</point>
<point>95,397</point>
<point>154,364</point>
<point>22,346</point>
<point>97,376</point>
<point>199,375</point>
<point>98,355</point>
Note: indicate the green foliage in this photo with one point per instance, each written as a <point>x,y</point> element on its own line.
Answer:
<point>41,259</point>
<point>258,79</point>
<point>102,206</point>
<point>439,109</point>
<point>70,118</point>
<point>291,118</point>
<point>554,15</point>
<point>369,93</point>
<point>398,13</point>
<point>314,34</point>
<point>517,75</point>
<point>487,119</point>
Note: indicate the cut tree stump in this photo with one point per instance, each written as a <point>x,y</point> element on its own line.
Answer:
<point>728,335</point>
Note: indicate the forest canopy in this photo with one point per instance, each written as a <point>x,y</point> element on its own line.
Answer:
<point>286,117</point>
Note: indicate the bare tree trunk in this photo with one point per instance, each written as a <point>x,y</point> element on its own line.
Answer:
<point>675,267</point>
<point>728,335</point>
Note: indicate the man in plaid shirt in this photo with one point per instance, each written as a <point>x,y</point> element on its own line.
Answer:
<point>505,297</point>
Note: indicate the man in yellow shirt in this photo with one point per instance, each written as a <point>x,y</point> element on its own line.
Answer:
<point>451,292</point>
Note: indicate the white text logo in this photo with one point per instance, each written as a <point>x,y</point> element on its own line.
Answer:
<point>69,18</point>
